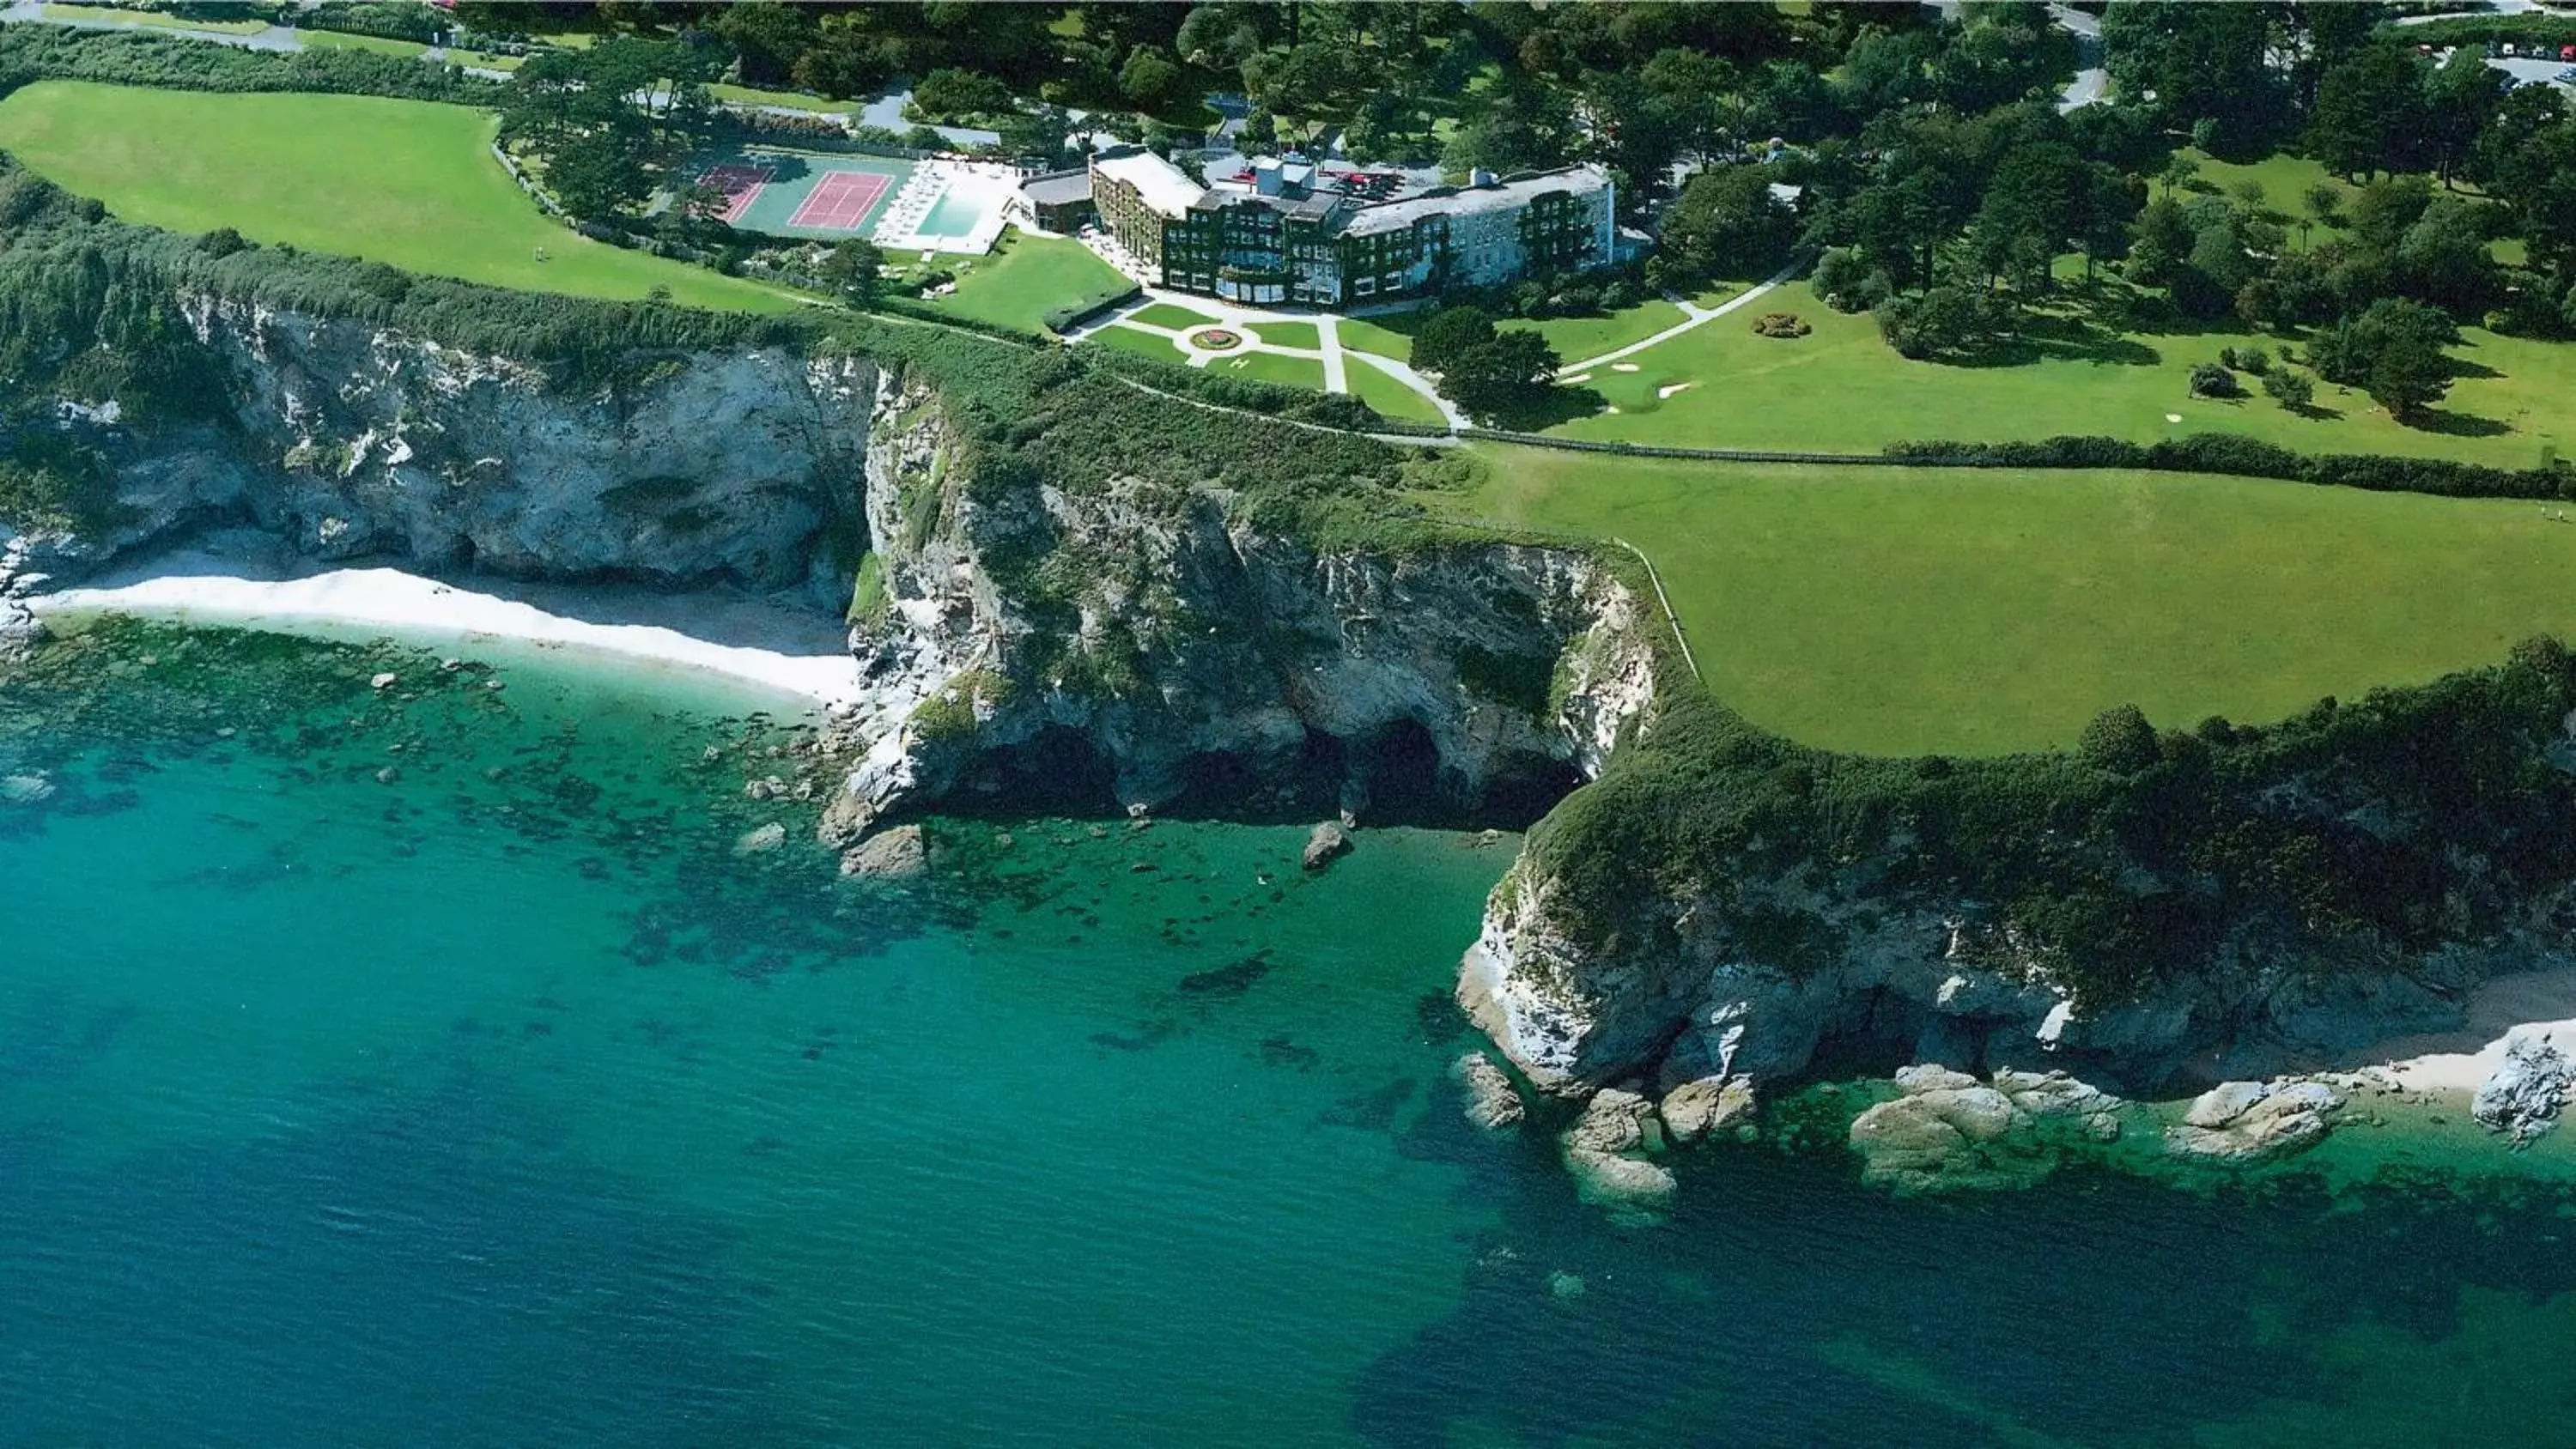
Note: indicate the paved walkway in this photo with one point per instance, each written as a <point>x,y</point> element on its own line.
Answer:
<point>1334,357</point>
<point>1698,316</point>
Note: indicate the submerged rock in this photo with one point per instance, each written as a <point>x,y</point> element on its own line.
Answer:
<point>25,789</point>
<point>761,841</point>
<point>2250,1121</point>
<point>1492,1101</point>
<point>1707,1107</point>
<point>896,854</point>
<point>1328,843</point>
<point>20,631</point>
<point>2524,1094</point>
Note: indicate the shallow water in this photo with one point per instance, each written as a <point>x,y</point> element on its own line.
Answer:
<point>501,1102</point>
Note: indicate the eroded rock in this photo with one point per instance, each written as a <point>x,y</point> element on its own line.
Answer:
<point>2238,1122</point>
<point>1328,843</point>
<point>761,841</point>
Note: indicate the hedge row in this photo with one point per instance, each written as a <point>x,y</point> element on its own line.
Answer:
<point>1074,313</point>
<point>1648,450</point>
<point>2245,457</point>
<point>178,62</point>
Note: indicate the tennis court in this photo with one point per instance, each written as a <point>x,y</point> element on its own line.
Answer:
<point>840,201</point>
<point>741,187</point>
<point>825,195</point>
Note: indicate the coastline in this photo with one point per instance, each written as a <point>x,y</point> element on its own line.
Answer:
<point>738,640</point>
<point>2498,1010</point>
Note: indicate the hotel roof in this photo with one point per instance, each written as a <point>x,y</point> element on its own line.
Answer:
<point>1453,201</point>
<point>1165,187</point>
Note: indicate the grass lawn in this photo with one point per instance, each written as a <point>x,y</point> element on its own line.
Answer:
<point>1129,339</point>
<point>1387,336</point>
<point>1275,367</point>
<point>485,60</point>
<point>1027,277</point>
<point>1576,338</point>
<point>1972,611</point>
<point>153,18</point>
<point>1301,335</point>
<point>1172,315</point>
<point>407,182</point>
<point>791,100</point>
<point>1843,389</point>
<point>344,40</point>
<point>1388,396</point>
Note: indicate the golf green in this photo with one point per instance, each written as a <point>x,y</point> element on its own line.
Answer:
<point>1965,611</point>
<point>411,183</point>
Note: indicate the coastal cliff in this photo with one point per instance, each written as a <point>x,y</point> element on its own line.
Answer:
<point>350,439</point>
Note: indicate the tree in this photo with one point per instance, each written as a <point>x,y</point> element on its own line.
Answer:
<point>2198,62</point>
<point>1448,333</point>
<point>2120,740</point>
<point>1728,222</point>
<point>1940,321</point>
<point>1151,80</point>
<point>768,36</point>
<point>2370,112</point>
<point>2393,350</point>
<point>2461,98</point>
<point>2293,390</point>
<point>953,94</point>
<point>1510,372</point>
<point>852,268</point>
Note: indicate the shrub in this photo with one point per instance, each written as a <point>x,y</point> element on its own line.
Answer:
<point>2210,379</point>
<point>2293,390</point>
<point>2245,457</point>
<point>1781,324</point>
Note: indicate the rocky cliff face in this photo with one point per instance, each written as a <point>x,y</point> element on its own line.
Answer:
<point>1134,648</point>
<point>355,441</point>
<point>1701,993</point>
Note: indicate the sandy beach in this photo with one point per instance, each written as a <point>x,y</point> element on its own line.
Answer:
<point>753,641</point>
<point>2542,1002</point>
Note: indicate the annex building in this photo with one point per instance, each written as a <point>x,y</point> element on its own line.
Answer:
<point>1286,239</point>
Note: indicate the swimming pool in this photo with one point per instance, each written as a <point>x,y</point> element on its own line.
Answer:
<point>953,215</point>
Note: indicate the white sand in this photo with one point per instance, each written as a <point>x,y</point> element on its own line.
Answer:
<point>1668,389</point>
<point>420,610</point>
<point>1578,377</point>
<point>1623,367</point>
<point>2460,1061</point>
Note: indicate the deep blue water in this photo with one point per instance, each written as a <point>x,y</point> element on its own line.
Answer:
<point>502,1103</point>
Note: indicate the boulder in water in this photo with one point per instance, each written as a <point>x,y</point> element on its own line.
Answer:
<point>1492,1101</point>
<point>1707,1107</point>
<point>761,841</point>
<point>25,789</point>
<point>2238,1122</point>
<point>1328,843</point>
<point>1603,1147</point>
<point>896,854</point>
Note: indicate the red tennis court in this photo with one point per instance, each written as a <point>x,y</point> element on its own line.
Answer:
<point>740,185</point>
<point>840,201</point>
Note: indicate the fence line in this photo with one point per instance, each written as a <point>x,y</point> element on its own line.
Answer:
<point>1655,576</point>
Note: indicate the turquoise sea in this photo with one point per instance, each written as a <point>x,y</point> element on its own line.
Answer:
<point>497,1100</point>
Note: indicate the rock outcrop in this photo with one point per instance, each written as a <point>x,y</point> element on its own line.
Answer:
<point>1946,1129</point>
<point>1327,843</point>
<point>896,854</point>
<point>1706,1108</point>
<point>2523,1096</point>
<point>2237,1122</point>
<point>1492,1101</point>
<point>1606,1150</point>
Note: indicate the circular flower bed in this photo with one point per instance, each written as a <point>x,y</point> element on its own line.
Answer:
<point>1215,339</point>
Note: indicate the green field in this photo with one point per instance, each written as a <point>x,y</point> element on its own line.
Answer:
<point>153,18</point>
<point>1843,389</point>
<point>1970,611</point>
<point>1387,336</point>
<point>1275,367</point>
<point>485,60</point>
<point>1027,277</point>
<point>1388,396</point>
<point>1129,339</point>
<point>1172,315</point>
<point>790,100</point>
<point>407,182</point>
<point>1301,335</point>
<point>344,40</point>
